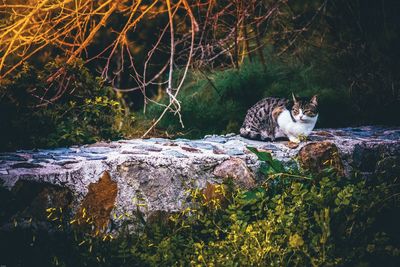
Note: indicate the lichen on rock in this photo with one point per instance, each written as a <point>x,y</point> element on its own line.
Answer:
<point>97,205</point>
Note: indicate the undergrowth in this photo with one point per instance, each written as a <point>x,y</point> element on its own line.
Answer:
<point>87,112</point>
<point>293,219</point>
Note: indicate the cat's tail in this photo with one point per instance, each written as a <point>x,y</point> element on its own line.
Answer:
<point>248,133</point>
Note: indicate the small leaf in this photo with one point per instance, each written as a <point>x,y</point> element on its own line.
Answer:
<point>262,155</point>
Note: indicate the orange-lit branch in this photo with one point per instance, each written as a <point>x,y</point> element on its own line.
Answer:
<point>202,33</point>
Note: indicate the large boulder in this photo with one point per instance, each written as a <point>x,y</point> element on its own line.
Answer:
<point>236,169</point>
<point>319,156</point>
<point>117,178</point>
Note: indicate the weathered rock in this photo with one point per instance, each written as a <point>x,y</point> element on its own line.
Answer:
<point>366,155</point>
<point>46,196</point>
<point>236,169</point>
<point>28,202</point>
<point>388,167</point>
<point>153,174</point>
<point>317,156</point>
<point>99,202</point>
<point>26,165</point>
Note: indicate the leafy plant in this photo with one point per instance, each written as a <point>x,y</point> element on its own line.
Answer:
<point>87,112</point>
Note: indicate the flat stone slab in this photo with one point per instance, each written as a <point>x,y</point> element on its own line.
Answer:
<point>156,172</point>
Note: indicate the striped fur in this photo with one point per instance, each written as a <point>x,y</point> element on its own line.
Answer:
<point>260,121</point>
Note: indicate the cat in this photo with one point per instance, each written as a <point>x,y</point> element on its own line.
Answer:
<point>272,118</point>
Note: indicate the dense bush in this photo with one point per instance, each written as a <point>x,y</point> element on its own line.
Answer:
<point>298,220</point>
<point>87,112</point>
<point>294,219</point>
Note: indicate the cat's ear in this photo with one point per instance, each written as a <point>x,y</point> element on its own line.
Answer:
<point>294,98</point>
<point>314,100</point>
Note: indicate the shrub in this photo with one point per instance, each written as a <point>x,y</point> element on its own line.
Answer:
<point>87,112</point>
<point>298,220</point>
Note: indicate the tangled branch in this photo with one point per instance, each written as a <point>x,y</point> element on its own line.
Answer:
<point>202,34</point>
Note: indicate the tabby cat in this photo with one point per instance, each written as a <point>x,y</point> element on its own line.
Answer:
<point>272,118</point>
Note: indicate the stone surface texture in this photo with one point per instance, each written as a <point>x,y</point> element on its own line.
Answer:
<point>98,202</point>
<point>317,156</point>
<point>153,174</point>
<point>236,169</point>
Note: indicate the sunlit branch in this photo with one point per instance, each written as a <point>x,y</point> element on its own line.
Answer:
<point>190,33</point>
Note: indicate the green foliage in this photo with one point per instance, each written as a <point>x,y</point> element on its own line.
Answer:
<point>270,165</point>
<point>321,224</point>
<point>86,112</point>
<point>88,122</point>
<point>216,102</point>
<point>293,220</point>
<point>306,222</point>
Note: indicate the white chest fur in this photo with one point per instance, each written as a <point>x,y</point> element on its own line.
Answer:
<point>294,130</point>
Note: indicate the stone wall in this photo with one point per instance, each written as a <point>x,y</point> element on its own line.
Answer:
<point>110,179</point>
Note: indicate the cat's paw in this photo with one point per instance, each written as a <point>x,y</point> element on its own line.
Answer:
<point>303,138</point>
<point>294,139</point>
